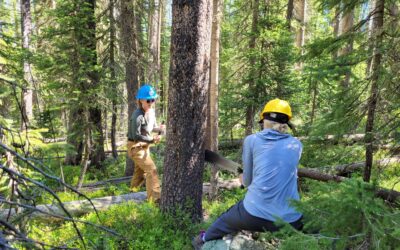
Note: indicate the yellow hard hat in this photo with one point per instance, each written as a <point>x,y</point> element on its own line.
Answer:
<point>277,106</point>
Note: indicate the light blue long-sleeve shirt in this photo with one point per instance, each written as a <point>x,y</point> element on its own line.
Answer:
<point>270,162</point>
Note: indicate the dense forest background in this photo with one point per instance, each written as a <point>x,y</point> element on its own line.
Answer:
<point>69,72</point>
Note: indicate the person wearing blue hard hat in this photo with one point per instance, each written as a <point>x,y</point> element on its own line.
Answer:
<point>141,125</point>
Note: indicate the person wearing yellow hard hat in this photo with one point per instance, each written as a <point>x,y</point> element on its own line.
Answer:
<point>279,112</point>
<point>270,159</point>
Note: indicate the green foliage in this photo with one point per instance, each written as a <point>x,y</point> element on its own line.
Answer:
<point>348,215</point>
<point>318,155</point>
<point>142,226</point>
<point>305,242</point>
<point>252,76</point>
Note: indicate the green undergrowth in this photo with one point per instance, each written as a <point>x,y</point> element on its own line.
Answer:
<point>140,226</point>
<point>345,216</point>
<point>336,216</point>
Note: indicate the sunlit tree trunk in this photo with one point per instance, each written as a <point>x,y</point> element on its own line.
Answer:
<point>163,88</point>
<point>187,107</point>
<point>212,127</point>
<point>301,31</point>
<point>129,48</point>
<point>27,93</point>
<point>346,23</point>
<point>374,91</point>
<point>395,14</point>
<point>372,9</point>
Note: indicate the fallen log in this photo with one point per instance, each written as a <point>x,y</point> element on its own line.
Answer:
<point>80,207</point>
<point>386,194</point>
<point>75,208</point>
<point>317,175</point>
<point>110,181</point>
<point>359,166</point>
<point>347,139</point>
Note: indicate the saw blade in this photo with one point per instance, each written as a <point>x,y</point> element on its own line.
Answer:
<point>222,162</point>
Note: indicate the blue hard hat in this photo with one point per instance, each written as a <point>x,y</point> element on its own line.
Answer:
<point>146,92</point>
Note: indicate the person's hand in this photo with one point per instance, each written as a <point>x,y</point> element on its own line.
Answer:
<point>162,129</point>
<point>156,139</point>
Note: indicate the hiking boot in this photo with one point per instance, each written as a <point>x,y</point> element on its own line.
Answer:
<point>197,241</point>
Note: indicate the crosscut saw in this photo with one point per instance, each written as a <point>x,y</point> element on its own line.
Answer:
<point>222,162</point>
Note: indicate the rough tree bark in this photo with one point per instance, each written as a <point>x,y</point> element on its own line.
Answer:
<point>187,107</point>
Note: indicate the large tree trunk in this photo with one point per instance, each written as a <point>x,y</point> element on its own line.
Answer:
<point>374,92</point>
<point>212,126</point>
<point>129,48</point>
<point>27,93</point>
<point>187,107</point>
<point>250,109</point>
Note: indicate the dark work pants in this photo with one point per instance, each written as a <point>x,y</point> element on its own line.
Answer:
<point>237,218</point>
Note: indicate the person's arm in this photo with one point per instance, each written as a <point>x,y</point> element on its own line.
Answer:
<point>138,128</point>
<point>247,159</point>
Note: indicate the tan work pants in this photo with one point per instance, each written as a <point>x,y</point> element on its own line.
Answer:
<point>144,169</point>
